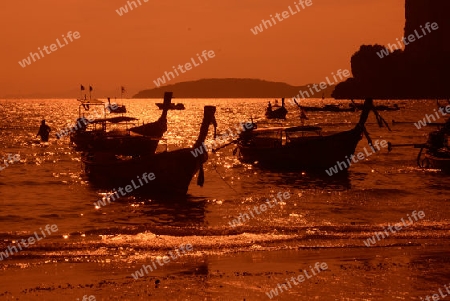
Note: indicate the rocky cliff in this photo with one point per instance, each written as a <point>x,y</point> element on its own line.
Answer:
<point>418,71</point>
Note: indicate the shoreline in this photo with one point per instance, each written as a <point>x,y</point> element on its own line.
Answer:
<point>353,274</point>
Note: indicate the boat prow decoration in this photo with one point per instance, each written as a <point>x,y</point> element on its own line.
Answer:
<point>301,147</point>
<point>159,127</point>
<point>173,170</point>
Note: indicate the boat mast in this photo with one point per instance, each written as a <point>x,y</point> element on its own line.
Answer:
<point>122,90</point>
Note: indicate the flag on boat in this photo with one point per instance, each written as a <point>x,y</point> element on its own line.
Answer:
<point>122,89</point>
<point>81,87</point>
<point>90,88</point>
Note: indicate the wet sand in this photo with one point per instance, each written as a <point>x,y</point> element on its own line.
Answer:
<point>404,272</point>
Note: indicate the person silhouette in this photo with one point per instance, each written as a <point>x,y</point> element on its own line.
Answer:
<point>44,131</point>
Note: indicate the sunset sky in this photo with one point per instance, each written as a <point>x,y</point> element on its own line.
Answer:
<point>136,48</point>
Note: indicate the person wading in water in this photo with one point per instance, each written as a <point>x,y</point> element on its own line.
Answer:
<point>44,131</point>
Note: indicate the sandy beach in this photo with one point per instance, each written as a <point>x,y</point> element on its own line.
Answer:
<point>407,271</point>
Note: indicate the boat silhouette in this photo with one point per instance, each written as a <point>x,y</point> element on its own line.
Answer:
<point>127,138</point>
<point>328,108</point>
<point>359,106</point>
<point>279,113</point>
<point>437,152</point>
<point>173,171</point>
<point>300,147</point>
<point>178,106</point>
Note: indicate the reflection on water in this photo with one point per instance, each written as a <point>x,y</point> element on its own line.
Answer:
<point>47,185</point>
<point>175,212</point>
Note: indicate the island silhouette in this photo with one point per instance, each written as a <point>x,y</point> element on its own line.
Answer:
<point>231,88</point>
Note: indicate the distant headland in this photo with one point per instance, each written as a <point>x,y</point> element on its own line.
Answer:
<point>231,88</point>
<point>419,71</point>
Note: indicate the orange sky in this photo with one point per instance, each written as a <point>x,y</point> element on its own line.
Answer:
<point>136,48</point>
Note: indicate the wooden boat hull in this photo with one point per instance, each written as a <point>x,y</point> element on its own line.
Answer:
<point>173,171</point>
<point>122,144</point>
<point>305,153</point>
<point>279,113</point>
<point>118,110</point>
<point>378,108</point>
<point>178,106</point>
<point>438,162</point>
<point>122,140</point>
<point>299,148</point>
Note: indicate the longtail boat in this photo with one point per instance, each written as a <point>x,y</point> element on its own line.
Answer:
<point>279,113</point>
<point>359,106</point>
<point>115,108</point>
<point>159,127</point>
<point>300,147</point>
<point>178,106</point>
<point>439,160</point>
<point>119,135</point>
<point>328,108</point>
<point>173,171</point>
<point>437,154</point>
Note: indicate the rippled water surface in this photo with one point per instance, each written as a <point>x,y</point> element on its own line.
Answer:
<point>47,186</point>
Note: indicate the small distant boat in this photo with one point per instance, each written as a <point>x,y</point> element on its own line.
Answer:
<point>275,104</point>
<point>279,113</point>
<point>395,107</point>
<point>178,106</point>
<point>359,106</point>
<point>328,108</point>
<point>301,147</point>
<point>159,127</point>
<point>115,108</point>
<point>173,170</point>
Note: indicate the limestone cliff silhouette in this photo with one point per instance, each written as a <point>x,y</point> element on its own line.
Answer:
<point>417,72</point>
<point>230,88</point>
